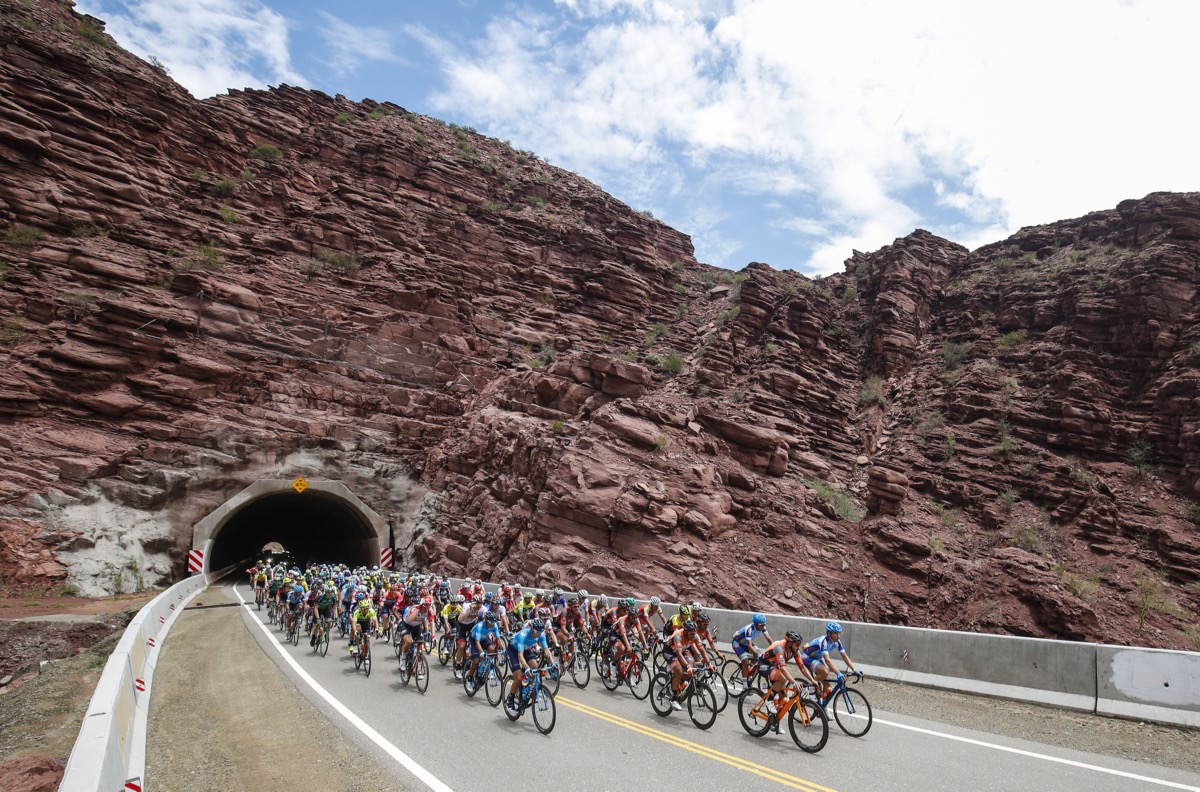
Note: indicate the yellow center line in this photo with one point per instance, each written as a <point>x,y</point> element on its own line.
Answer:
<point>710,753</point>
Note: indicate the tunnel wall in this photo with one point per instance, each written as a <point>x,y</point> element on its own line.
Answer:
<point>376,534</point>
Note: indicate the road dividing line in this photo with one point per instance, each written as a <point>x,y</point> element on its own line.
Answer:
<point>391,750</point>
<point>710,753</point>
<point>1032,755</point>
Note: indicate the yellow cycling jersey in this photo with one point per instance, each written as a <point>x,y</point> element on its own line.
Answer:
<point>364,615</point>
<point>451,611</point>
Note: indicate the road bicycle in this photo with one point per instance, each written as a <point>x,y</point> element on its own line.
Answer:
<point>292,627</point>
<point>360,650</point>
<point>534,696</point>
<point>445,648</point>
<point>487,676</point>
<point>740,675</point>
<point>320,639</point>
<point>574,659</point>
<point>272,610</point>
<point>761,711</point>
<point>630,669</point>
<point>851,709</point>
<point>700,699</point>
<point>260,596</point>
<point>415,666</point>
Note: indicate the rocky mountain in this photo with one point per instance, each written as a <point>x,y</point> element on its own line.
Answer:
<point>532,381</point>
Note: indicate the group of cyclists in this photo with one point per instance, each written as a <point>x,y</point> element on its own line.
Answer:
<point>536,628</point>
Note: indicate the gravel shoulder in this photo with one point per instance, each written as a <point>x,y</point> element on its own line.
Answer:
<point>269,733</point>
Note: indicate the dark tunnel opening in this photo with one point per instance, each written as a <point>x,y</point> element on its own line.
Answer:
<point>315,527</point>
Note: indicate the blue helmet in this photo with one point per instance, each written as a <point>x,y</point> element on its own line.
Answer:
<point>759,620</point>
<point>298,589</point>
<point>833,627</point>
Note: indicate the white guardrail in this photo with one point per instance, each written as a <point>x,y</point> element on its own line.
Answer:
<point>110,751</point>
<point>1128,682</point>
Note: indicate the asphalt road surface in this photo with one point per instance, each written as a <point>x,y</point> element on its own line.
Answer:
<point>611,741</point>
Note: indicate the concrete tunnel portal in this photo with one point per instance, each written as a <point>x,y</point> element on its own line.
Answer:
<point>325,522</point>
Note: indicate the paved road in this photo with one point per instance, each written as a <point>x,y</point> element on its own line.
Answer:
<point>611,741</point>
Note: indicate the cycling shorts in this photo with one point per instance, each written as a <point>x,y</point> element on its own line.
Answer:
<point>387,608</point>
<point>415,630</point>
<point>476,653</point>
<point>742,647</point>
<point>325,613</point>
<point>463,631</point>
<point>530,654</point>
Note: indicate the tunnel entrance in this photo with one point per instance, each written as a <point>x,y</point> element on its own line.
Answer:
<point>325,522</point>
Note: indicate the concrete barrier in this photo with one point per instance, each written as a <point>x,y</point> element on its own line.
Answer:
<point>110,751</point>
<point>1129,682</point>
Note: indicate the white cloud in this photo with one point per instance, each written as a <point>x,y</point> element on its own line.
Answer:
<point>1025,113</point>
<point>350,45</point>
<point>209,46</point>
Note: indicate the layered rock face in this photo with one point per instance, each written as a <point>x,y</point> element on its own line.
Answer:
<point>531,381</point>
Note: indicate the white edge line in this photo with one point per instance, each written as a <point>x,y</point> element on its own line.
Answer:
<point>1032,755</point>
<point>404,759</point>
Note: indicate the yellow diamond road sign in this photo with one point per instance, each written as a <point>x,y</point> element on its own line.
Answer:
<point>300,484</point>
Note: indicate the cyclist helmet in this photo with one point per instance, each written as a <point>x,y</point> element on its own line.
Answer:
<point>833,627</point>
<point>689,626</point>
<point>458,599</point>
<point>360,596</point>
<point>583,592</point>
<point>702,618</point>
<point>491,595</point>
<point>760,621</point>
<point>490,617</point>
<point>793,637</point>
<point>537,625</point>
<point>428,601</point>
<point>685,611</point>
<point>573,602</point>
<point>603,600</point>
<point>478,599</point>
<point>629,602</point>
<point>529,595</point>
<point>298,589</point>
<point>655,602</point>
<point>557,591</point>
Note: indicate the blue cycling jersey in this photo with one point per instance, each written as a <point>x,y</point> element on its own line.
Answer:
<point>483,633</point>
<point>525,639</point>
<point>822,646</point>
<point>746,634</point>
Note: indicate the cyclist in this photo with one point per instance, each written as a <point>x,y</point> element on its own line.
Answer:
<point>776,657</point>
<point>818,661</point>
<point>326,609</point>
<point>568,619</point>
<point>676,621</point>
<point>295,599</point>
<point>362,620</point>
<point>448,617</point>
<point>618,636</point>
<point>392,600</point>
<point>522,650</point>
<point>260,583</point>
<point>467,617</point>
<point>646,613</point>
<point>413,625</point>
<point>743,643</point>
<point>524,608</point>
<point>485,637</point>
<point>702,620</point>
<point>682,649</point>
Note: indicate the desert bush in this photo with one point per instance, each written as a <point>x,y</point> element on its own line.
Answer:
<point>843,504</point>
<point>671,364</point>
<point>22,235</point>
<point>954,353</point>
<point>338,260</point>
<point>346,118</point>
<point>1013,339</point>
<point>225,188</point>
<point>266,152</point>
<point>872,393</point>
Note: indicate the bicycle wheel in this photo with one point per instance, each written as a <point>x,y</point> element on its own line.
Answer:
<point>470,683</point>
<point>581,671</point>
<point>553,679</point>
<point>513,714</point>
<point>702,705</point>
<point>852,712</point>
<point>659,660</point>
<point>406,664</point>
<point>296,633</point>
<point>661,694</point>
<point>638,679</point>
<point>445,650</point>
<point>752,712</point>
<point>610,676</point>
<point>324,645</point>
<point>421,672</point>
<point>357,660</point>
<point>735,683</point>
<point>719,688</point>
<point>494,685</point>
<point>544,713</point>
<point>367,662</point>
<point>809,726</point>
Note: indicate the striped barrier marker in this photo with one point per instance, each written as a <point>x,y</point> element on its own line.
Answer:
<point>195,560</point>
<point>151,642</point>
<point>385,558</point>
<point>134,784</point>
<point>140,684</point>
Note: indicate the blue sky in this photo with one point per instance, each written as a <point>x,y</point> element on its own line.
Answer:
<point>783,131</point>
